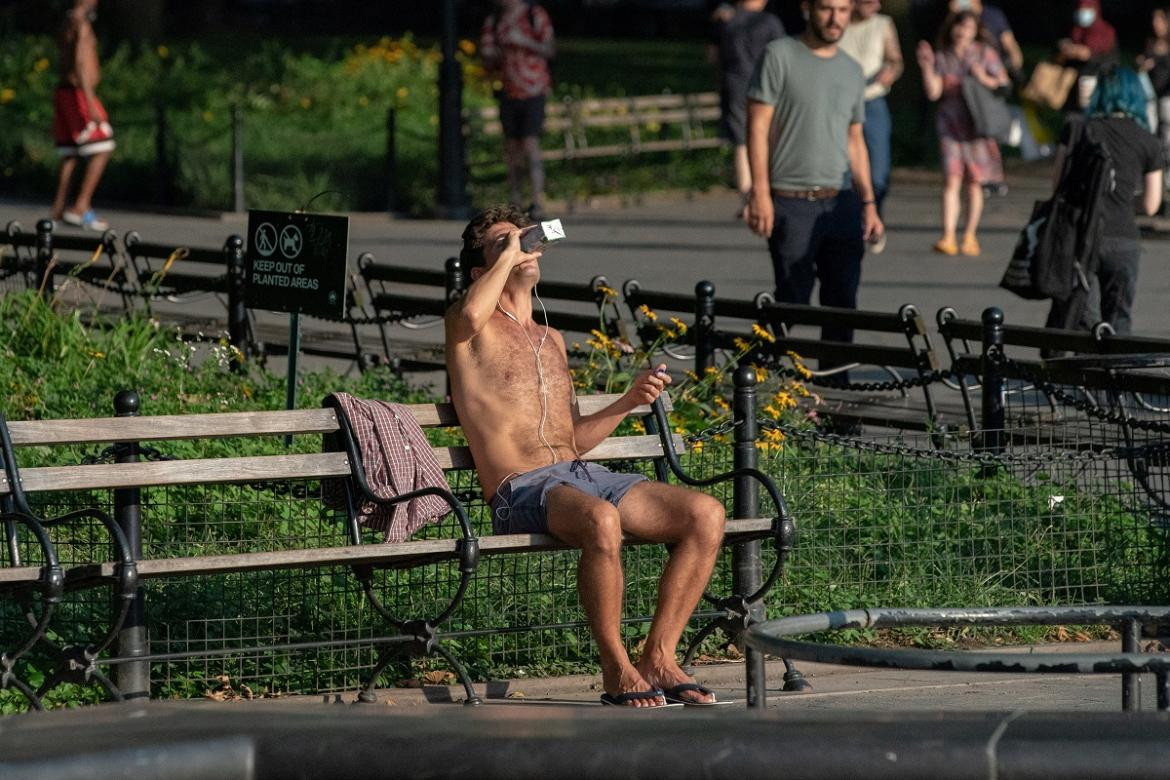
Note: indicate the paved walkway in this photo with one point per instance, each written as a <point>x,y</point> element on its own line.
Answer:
<point>669,242</point>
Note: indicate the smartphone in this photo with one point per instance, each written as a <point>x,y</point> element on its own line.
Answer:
<point>540,234</point>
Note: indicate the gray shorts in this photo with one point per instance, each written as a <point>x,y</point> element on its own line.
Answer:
<point>519,505</point>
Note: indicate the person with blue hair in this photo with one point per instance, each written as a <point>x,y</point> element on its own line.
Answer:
<point>1116,118</point>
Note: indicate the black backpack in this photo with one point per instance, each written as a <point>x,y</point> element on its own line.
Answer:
<point>1057,251</point>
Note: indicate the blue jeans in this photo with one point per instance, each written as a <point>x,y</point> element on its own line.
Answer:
<point>878,128</point>
<point>818,240</point>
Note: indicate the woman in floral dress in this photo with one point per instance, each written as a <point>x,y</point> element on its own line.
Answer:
<point>968,161</point>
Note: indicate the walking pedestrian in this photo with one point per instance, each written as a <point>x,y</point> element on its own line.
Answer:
<point>741,33</point>
<point>872,39</point>
<point>805,114</point>
<point>81,128</point>
<point>968,161</point>
<point>1155,62</point>
<point>1091,47</point>
<point>517,43</point>
<point>1116,118</point>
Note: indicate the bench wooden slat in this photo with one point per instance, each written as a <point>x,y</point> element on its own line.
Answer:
<point>259,468</point>
<point>101,430</point>
<point>178,426</point>
<point>401,553</point>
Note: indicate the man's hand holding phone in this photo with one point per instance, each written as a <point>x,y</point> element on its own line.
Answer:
<point>649,385</point>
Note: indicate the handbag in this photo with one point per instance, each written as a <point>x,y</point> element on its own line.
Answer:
<point>993,118</point>
<point>1019,275</point>
<point>1050,85</point>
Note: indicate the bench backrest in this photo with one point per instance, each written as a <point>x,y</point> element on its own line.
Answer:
<point>254,468</point>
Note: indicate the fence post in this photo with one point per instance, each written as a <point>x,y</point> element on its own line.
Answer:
<point>1131,683</point>
<point>45,258</point>
<point>392,160</point>
<point>704,326</point>
<point>162,164</point>
<point>993,381</point>
<point>237,311</point>
<point>237,158</point>
<point>133,679</point>
<point>745,558</point>
<point>455,279</point>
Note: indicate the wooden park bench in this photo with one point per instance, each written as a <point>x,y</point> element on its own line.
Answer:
<point>58,522</point>
<point>614,127</point>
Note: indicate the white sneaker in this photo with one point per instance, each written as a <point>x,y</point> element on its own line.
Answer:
<point>87,221</point>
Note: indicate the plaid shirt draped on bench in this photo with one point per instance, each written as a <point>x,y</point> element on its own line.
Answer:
<point>397,459</point>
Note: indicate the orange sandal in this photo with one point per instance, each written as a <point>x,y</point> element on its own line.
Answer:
<point>970,246</point>
<point>946,246</point>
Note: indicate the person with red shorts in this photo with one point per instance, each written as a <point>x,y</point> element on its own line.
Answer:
<point>517,43</point>
<point>81,128</point>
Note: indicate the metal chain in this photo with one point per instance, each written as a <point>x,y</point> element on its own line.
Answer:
<point>1084,406</point>
<point>928,378</point>
<point>709,434</point>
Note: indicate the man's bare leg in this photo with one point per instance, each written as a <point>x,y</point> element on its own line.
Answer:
<point>693,523</point>
<point>64,177</point>
<point>531,146</point>
<point>93,174</point>
<point>516,159</point>
<point>594,526</point>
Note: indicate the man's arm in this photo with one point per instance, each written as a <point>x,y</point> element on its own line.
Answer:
<point>863,182</point>
<point>1011,48</point>
<point>543,43</point>
<point>760,211</point>
<point>468,317</point>
<point>892,65</point>
<point>1152,197</point>
<point>591,430</point>
<point>85,64</point>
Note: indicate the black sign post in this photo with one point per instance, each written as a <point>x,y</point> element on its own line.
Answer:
<point>296,263</point>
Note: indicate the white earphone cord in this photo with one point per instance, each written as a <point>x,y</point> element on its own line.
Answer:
<point>539,368</point>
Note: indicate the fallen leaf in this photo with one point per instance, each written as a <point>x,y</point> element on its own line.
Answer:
<point>515,695</point>
<point>439,677</point>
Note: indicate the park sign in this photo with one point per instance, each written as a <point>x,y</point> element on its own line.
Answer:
<point>296,262</point>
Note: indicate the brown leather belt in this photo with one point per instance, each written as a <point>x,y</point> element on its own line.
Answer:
<point>820,193</point>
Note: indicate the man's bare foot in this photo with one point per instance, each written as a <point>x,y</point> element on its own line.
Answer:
<point>628,680</point>
<point>666,674</point>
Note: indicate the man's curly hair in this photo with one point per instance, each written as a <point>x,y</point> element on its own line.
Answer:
<point>471,256</point>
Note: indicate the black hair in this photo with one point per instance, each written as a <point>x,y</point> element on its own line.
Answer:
<point>471,256</point>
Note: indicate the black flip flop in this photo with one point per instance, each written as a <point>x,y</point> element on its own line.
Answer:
<point>674,695</point>
<point>621,699</point>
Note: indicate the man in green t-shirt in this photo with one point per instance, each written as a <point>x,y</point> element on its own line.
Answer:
<point>806,112</point>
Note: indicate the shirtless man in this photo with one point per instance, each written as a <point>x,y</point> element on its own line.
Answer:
<point>80,125</point>
<point>511,386</point>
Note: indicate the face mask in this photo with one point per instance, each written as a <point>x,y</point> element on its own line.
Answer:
<point>1086,17</point>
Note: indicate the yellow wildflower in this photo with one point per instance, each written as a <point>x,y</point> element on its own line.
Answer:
<point>647,312</point>
<point>163,52</point>
<point>41,65</point>
<point>363,101</point>
<point>760,333</point>
<point>691,375</point>
<point>697,446</point>
<point>609,292</point>
<point>740,344</point>
<point>467,47</point>
<point>208,117</point>
<point>785,400</point>
<point>670,333</point>
<point>599,336</point>
<point>7,95</point>
<point>722,404</point>
<point>402,93</point>
<point>639,426</point>
<point>710,371</point>
<point>772,411</point>
<point>679,325</point>
<point>306,102</point>
<point>761,373</point>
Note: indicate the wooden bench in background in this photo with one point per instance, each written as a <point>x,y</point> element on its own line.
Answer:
<point>32,567</point>
<point>584,128</point>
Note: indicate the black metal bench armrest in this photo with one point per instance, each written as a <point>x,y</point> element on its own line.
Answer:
<point>468,544</point>
<point>784,527</point>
